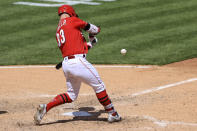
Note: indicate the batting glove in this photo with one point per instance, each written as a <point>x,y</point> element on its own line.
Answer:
<point>92,39</point>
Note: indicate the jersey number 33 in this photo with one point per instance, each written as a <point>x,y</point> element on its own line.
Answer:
<point>61,39</point>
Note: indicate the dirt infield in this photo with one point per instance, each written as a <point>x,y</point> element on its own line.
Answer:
<point>157,98</point>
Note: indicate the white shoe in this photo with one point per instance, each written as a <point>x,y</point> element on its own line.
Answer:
<point>41,111</point>
<point>115,118</point>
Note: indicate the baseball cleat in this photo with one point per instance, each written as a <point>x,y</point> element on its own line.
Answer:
<point>41,111</point>
<point>115,118</point>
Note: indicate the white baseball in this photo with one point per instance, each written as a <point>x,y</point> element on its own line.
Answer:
<point>123,51</point>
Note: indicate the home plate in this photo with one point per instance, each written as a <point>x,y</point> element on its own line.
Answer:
<point>77,113</point>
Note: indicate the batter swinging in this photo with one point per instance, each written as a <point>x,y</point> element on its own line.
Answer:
<point>75,66</point>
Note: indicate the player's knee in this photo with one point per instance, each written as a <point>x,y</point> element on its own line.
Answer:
<point>99,88</point>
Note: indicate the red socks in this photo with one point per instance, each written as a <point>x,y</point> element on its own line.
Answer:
<point>58,100</point>
<point>102,97</point>
<point>106,102</point>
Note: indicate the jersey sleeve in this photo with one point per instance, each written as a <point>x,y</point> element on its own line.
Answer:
<point>78,23</point>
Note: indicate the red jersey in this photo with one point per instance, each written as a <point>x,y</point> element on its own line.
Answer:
<point>70,38</point>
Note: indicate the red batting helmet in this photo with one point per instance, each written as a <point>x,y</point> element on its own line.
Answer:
<point>67,9</point>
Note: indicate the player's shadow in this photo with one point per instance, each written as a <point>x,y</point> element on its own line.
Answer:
<point>93,116</point>
<point>3,112</point>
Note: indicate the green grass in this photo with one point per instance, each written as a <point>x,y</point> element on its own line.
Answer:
<point>153,32</point>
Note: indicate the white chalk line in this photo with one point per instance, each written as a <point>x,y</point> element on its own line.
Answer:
<point>139,93</point>
<point>163,123</point>
<point>160,123</point>
<point>164,87</point>
<point>97,66</point>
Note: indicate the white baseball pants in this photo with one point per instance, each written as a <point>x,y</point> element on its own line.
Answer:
<point>79,70</point>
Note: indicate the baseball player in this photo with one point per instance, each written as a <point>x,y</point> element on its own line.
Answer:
<point>76,68</point>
